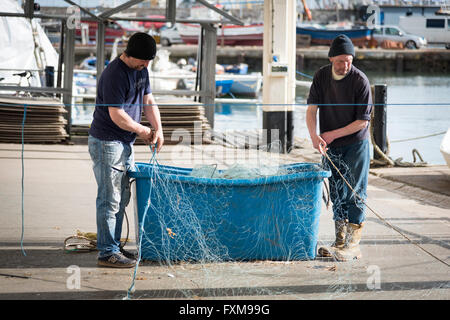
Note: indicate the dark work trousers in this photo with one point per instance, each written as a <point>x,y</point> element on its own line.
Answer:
<point>353,161</point>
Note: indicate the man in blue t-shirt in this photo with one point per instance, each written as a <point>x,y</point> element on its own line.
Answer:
<point>342,94</point>
<point>123,93</point>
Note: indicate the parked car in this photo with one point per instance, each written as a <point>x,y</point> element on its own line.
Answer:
<point>169,36</point>
<point>114,29</point>
<point>394,33</point>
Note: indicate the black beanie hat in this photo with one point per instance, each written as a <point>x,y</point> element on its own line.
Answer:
<point>141,46</point>
<point>341,45</point>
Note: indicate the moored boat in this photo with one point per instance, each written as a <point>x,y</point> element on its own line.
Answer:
<point>230,35</point>
<point>247,85</point>
<point>360,36</point>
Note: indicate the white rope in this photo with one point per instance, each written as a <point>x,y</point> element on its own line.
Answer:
<point>422,137</point>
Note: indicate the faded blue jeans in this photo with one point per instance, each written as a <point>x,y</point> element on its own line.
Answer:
<point>353,161</point>
<point>111,161</point>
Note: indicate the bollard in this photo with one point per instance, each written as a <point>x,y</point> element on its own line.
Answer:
<point>380,119</point>
<point>49,76</point>
<point>279,127</point>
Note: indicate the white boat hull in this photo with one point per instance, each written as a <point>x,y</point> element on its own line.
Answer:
<point>445,147</point>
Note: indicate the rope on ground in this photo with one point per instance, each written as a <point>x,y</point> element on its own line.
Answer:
<point>387,161</point>
<point>381,218</point>
<point>399,163</point>
<point>79,243</point>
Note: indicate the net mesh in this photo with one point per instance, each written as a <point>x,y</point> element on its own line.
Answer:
<point>211,218</point>
<point>247,230</point>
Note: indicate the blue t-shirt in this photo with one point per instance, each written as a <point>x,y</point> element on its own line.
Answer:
<point>121,87</point>
<point>341,102</point>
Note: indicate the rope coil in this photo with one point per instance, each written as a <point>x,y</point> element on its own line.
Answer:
<point>386,160</point>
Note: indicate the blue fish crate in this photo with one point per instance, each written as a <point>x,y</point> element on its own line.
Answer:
<point>186,218</point>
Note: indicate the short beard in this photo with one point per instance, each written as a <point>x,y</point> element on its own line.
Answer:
<point>139,67</point>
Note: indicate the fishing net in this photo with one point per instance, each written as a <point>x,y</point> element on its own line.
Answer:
<point>252,230</point>
<point>211,219</point>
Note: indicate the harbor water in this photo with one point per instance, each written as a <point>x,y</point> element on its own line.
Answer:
<point>418,106</point>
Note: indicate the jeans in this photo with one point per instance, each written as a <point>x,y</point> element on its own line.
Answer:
<point>111,161</point>
<point>353,161</point>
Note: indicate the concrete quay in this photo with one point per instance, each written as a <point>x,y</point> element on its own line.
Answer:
<point>59,199</point>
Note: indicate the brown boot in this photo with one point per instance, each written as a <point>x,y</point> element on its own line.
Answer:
<point>351,249</point>
<point>340,228</point>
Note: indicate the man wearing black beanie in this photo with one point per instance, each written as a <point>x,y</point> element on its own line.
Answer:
<point>123,93</point>
<point>342,94</point>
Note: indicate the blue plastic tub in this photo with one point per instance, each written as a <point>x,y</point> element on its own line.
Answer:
<point>202,219</point>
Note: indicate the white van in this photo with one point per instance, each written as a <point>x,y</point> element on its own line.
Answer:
<point>436,29</point>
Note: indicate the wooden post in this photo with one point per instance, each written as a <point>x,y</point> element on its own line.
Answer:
<point>380,119</point>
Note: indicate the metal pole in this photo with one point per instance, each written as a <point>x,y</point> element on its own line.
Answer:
<point>380,119</point>
<point>35,15</point>
<point>171,11</point>
<point>208,70</point>
<point>198,80</point>
<point>100,42</point>
<point>120,8</point>
<point>68,75</point>
<point>61,54</point>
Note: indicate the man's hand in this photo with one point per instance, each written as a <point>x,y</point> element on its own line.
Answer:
<point>125,122</point>
<point>157,139</point>
<point>145,133</point>
<point>349,129</point>
<point>152,114</point>
<point>319,144</point>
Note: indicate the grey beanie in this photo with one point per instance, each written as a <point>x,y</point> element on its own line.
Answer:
<point>341,45</point>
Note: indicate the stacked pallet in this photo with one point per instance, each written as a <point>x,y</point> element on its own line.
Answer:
<point>182,121</point>
<point>44,121</point>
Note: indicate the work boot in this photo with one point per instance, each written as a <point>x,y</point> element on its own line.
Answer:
<point>351,249</point>
<point>340,228</point>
